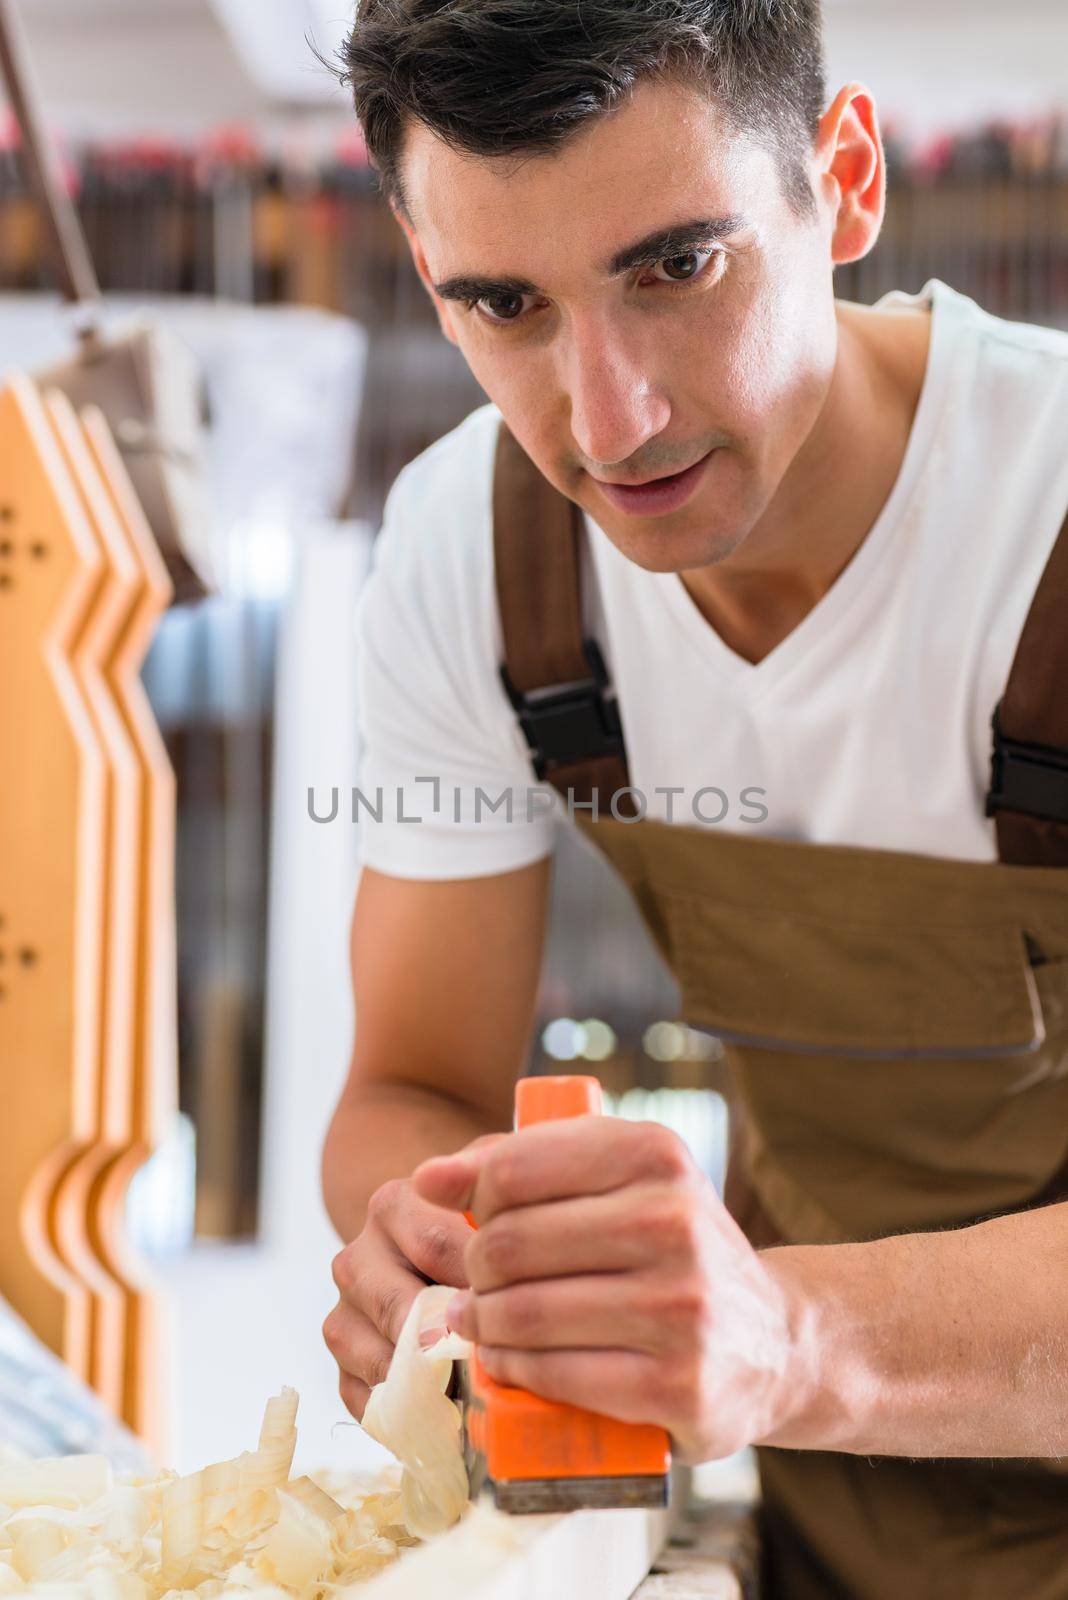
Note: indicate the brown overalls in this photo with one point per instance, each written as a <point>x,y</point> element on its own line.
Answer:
<point>896,1029</point>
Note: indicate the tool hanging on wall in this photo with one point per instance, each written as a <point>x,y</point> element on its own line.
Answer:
<point>143,378</point>
<point>87,958</point>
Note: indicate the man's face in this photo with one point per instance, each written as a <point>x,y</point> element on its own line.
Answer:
<point>710,347</point>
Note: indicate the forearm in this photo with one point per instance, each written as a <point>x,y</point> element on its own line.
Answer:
<point>943,1344</point>
<point>382,1131</point>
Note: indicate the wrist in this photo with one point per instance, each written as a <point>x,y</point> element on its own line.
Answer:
<point>817,1398</point>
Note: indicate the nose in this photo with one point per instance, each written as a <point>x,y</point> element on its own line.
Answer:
<point>616,406</point>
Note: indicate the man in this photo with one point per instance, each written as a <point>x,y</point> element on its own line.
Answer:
<point>819,547</point>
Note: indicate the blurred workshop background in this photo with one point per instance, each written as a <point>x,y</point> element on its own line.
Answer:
<point>223,185</point>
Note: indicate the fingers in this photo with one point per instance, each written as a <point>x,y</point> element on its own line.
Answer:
<point>609,1309</point>
<point>354,1395</point>
<point>405,1244</point>
<point>373,1280</point>
<point>362,1354</point>
<point>447,1180</point>
<point>593,1233</point>
<point>385,1297</point>
<point>553,1161</point>
<point>617,1383</point>
<point>450,1177</point>
<point>433,1240</point>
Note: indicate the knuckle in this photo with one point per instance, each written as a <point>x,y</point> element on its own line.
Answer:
<point>675,1388</point>
<point>685,1303</point>
<point>521,1316</point>
<point>386,1305</point>
<point>688,1382</point>
<point>514,1367</point>
<point>674,1226</point>
<point>497,1246</point>
<point>385,1198</point>
<point>332,1331</point>
<point>507,1177</point>
<point>377,1368</point>
<point>664,1152</point>
<point>547,1376</point>
<point>437,1251</point>
<point>344,1271</point>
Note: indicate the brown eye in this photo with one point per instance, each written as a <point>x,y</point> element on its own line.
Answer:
<point>683,268</point>
<point>501,307</point>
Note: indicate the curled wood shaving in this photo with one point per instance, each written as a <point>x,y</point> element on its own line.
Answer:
<point>69,1530</point>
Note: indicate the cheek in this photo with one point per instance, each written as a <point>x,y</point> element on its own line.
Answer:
<point>517,384</point>
<point>777,365</point>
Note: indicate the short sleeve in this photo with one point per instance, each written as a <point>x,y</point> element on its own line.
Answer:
<point>445,788</point>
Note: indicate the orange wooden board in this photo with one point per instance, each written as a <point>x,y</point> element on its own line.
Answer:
<point>52,834</point>
<point>99,641</point>
<point>153,1084</point>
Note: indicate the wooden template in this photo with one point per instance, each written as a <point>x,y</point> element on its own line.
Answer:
<point>136,1120</point>
<point>87,932</point>
<point>52,833</point>
<point>69,1208</point>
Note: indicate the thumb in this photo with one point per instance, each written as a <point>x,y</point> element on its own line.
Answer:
<point>447,1180</point>
<point>485,1140</point>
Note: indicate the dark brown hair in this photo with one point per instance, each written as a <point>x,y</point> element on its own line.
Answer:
<point>516,77</point>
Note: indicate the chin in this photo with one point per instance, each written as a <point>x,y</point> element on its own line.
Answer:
<point>659,552</point>
<point>676,543</point>
<point>703,533</point>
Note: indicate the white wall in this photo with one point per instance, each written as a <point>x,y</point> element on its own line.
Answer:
<point>245,1320</point>
<point>951,63</point>
<point>160,64</point>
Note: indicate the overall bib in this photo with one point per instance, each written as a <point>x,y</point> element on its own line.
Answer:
<point>896,1034</point>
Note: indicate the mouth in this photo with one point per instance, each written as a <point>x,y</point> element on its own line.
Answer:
<point>659,495</point>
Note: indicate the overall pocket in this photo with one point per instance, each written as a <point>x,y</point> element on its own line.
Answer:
<point>864,988</point>
<point>892,1079</point>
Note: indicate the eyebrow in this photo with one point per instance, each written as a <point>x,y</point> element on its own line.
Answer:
<point>675,240</point>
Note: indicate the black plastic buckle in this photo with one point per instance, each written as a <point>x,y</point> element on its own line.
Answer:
<point>1029,778</point>
<point>567,722</point>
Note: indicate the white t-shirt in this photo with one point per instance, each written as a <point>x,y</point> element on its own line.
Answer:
<point>868,725</point>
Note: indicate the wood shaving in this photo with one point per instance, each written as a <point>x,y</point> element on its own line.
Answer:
<point>70,1529</point>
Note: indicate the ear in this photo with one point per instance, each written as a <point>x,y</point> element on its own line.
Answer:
<point>851,172</point>
<point>440,306</point>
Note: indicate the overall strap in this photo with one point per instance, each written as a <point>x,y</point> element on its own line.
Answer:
<point>1029,772</point>
<point>554,675</point>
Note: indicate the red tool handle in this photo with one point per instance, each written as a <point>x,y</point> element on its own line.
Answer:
<point>524,1438</point>
<point>550,1099</point>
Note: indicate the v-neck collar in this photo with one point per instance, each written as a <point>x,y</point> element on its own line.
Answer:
<point>829,612</point>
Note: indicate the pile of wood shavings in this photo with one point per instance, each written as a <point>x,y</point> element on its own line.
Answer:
<point>71,1530</point>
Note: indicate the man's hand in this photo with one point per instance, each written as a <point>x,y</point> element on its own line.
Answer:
<point>606,1273</point>
<point>405,1244</point>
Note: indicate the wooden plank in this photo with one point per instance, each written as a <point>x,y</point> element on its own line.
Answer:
<point>705,1547</point>
<point>588,1555</point>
